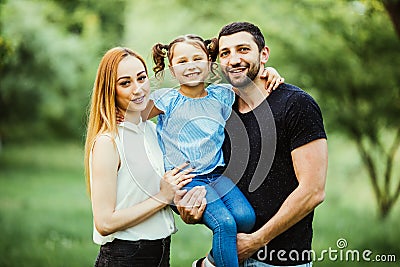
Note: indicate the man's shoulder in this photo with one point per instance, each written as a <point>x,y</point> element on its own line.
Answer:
<point>289,89</point>
<point>292,93</point>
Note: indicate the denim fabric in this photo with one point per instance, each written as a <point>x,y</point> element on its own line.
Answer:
<point>254,263</point>
<point>227,212</point>
<point>142,253</point>
<point>193,129</point>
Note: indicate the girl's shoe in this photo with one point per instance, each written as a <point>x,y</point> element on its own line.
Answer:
<point>198,263</point>
<point>203,262</point>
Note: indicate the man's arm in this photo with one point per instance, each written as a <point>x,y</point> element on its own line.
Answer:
<point>310,163</point>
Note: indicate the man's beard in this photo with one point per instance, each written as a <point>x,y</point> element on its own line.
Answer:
<point>244,81</point>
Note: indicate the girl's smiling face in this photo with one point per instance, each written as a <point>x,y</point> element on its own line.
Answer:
<point>189,64</point>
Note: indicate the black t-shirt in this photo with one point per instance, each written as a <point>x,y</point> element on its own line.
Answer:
<point>262,162</point>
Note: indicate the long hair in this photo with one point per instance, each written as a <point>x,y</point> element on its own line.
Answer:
<point>162,51</point>
<point>102,111</point>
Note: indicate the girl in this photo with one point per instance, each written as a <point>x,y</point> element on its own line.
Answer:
<point>130,192</point>
<point>190,128</point>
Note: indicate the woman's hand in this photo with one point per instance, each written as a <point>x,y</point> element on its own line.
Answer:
<point>272,79</point>
<point>192,204</point>
<point>174,180</point>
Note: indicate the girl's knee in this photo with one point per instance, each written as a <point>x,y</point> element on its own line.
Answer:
<point>245,220</point>
<point>227,224</point>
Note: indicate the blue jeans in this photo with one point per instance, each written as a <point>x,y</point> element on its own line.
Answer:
<point>254,263</point>
<point>141,253</point>
<point>227,213</point>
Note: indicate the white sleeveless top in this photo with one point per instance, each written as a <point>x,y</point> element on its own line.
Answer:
<point>138,179</point>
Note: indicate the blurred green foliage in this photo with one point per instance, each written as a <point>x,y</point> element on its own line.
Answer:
<point>345,53</point>
<point>49,53</point>
<point>349,61</point>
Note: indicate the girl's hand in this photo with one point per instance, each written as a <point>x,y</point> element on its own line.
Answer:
<point>174,180</point>
<point>273,79</point>
<point>120,116</point>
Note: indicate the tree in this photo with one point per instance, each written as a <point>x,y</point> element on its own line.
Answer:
<point>49,53</point>
<point>352,56</point>
<point>393,7</point>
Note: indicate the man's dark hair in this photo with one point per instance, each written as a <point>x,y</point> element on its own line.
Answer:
<point>236,27</point>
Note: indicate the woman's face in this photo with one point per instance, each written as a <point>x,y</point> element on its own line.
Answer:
<point>190,64</point>
<point>133,87</point>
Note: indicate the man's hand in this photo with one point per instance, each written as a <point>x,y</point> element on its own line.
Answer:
<point>246,246</point>
<point>192,204</point>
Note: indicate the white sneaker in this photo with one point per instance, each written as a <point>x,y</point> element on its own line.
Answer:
<point>198,263</point>
<point>203,262</point>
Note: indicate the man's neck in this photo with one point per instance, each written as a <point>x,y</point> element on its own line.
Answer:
<point>251,96</point>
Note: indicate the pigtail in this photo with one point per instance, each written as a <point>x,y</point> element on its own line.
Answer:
<point>159,55</point>
<point>212,47</point>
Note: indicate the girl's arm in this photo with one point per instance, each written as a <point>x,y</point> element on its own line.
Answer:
<point>150,111</point>
<point>105,163</point>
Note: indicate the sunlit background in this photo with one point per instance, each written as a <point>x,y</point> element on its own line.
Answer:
<point>346,54</point>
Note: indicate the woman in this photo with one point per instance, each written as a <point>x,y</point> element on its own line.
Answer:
<point>129,190</point>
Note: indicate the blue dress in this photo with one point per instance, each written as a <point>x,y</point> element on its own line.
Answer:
<point>192,129</point>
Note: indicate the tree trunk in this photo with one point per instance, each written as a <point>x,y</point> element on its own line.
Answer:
<point>393,9</point>
<point>385,199</point>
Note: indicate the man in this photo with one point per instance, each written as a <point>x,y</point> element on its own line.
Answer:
<point>294,177</point>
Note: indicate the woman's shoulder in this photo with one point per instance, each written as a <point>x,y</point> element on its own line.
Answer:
<point>104,144</point>
<point>105,154</point>
<point>150,124</point>
<point>104,139</point>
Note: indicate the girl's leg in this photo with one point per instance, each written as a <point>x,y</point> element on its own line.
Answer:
<point>218,218</point>
<point>236,203</point>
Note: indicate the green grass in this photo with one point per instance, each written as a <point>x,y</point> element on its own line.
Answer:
<point>45,213</point>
